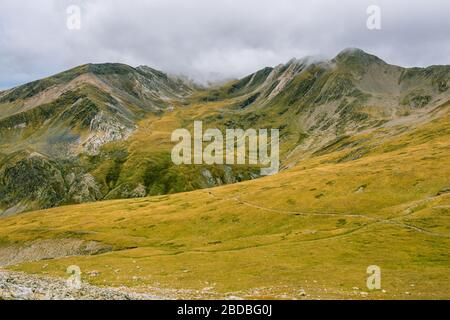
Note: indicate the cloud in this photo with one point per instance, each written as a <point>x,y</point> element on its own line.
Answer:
<point>213,39</point>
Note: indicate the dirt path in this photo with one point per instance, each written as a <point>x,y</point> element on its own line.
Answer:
<point>392,221</point>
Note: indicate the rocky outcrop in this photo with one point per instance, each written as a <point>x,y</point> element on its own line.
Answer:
<point>104,129</point>
<point>49,249</point>
<point>82,188</point>
<point>30,180</point>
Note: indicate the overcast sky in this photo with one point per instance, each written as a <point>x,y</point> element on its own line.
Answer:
<point>213,39</point>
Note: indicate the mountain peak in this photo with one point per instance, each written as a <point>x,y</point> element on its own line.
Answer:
<point>352,51</point>
<point>109,68</point>
<point>356,56</point>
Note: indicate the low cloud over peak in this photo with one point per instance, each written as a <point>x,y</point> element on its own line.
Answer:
<point>213,40</point>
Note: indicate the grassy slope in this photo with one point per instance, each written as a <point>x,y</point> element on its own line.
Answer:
<point>316,226</point>
<point>148,151</point>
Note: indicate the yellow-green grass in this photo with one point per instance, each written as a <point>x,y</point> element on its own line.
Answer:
<point>316,227</point>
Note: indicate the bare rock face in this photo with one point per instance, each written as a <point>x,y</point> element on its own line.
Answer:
<point>83,188</point>
<point>104,129</point>
<point>209,180</point>
<point>139,192</point>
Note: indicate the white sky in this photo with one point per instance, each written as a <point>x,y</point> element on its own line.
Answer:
<point>213,39</point>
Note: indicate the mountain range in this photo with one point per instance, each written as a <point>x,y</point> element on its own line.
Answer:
<point>364,180</point>
<point>100,131</point>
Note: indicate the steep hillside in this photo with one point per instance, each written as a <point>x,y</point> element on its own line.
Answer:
<point>316,102</point>
<point>73,138</point>
<point>83,108</point>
